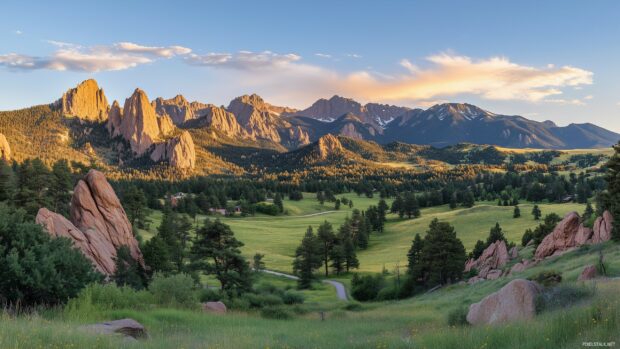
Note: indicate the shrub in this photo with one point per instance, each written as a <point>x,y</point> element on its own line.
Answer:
<point>388,293</point>
<point>366,288</point>
<point>97,297</point>
<point>268,209</point>
<point>174,291</point>
<point>353,306</point>
<point>209,295</point>
<point>561,297</point>
<point>262,300</point>
<point>292,297</point>
<point>36,268</point>
<point>471,273</point>
<point>458,317</point>
<point>547,278</point>
<point>275,312</point>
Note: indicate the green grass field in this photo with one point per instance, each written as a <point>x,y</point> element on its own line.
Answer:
<point>278,237</point>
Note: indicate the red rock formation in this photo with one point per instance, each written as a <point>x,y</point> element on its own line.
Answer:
<point>115,117</point>
<point>178,151</point>
<point>492,259</point>
<point>96,211</point>
<point>5,149</point>
<point>562,238</point>
<point>515,301</point>
<point>602,228</point>
<point>329,145</point>
<point>139,124</point>
<point>86,101</point>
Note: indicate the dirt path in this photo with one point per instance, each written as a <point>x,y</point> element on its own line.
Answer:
<point>341,291</point>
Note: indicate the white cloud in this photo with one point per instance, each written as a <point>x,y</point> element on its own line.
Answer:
<point>323,55</point>
<point>72,57</point>
<point>353,55</point>
<point>244,60</point>
<point>18,32</point>
<point>165,52</point>
<point>440,77</point>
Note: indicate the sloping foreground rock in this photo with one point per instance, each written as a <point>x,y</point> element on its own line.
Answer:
<point>570,233</point>
<point>98,224</point>
<point>515,301</point>
<point>128,328</point>
<point>5,149</point>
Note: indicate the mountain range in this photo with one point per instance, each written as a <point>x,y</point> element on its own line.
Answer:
<point>183,133</point>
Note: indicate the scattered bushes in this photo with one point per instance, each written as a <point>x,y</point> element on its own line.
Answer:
<point>458,317</point>
<point>108,297</point>
<point>176,291</point>
<point>366,288</point>
<point>275,312</point>
<point>268,209</point>
<point>561,296</point>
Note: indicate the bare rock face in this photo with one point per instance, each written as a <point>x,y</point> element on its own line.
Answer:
<point>97,251</point>
<point>329,145</point>
<point>492,259</point>
<point>562,238</point>
<point>223,121</point>
<point>166,127</point>
<point>602,228</point>
<point>179,109</point>
<point>517,268</point>
<point>298,136</point>
<point>139,125</point>
<point>5,149</point>
<point>514,252</point>
<point>588,273</point>
<point>178,151</point>
<point>86,101</point>
<point>254,115</point>
<point>336,106</point>
<point>584,236</point>
<point>515,301</point>
<point>97,212</point>
<point>214,307</point>
<point>349,130</point>
<point>115,118</point>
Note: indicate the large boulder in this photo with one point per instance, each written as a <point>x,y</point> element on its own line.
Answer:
<point>97,211</point>
<point>95,247</point>
<point>5,149</point>
<point>515,301</point>
<point>178,151</point>
<point>214,307</point>
<point>602,228</point>
<point>562,238</point>
<point>86,101</point>
<point>128,328</point>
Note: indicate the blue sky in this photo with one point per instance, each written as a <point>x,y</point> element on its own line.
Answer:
<point>553,60</point>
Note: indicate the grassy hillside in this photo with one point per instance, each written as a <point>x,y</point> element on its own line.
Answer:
<point>278,237</point>
<point>419,322</point>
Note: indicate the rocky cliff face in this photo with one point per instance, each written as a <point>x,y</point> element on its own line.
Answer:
<point>115,117</point>
<point>178,151</point>
<point>86,101</point>
<point>329,145</point>
<point>5,149</point>
<point>166,126</point>
<point>253,114</point>
<point>335,107</point>
<point>223,121</point>
<point>139,124</point>
<point>98,226</point>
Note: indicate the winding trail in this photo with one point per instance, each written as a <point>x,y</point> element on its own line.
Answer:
<point>341,291</point>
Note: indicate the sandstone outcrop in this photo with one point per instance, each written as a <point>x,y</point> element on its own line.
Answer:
<point>97,212</point>
<point>223,121</point>
<point>179,109</point>
<point>139,124</point>
<point>178,151</point>
<point>515,301</point>
<point>115,118</point>
<point>588,273</point>
<point>298,136</point>
<point>86,101</point>
<point>490,262</point>
<point>602,228</point>
<point>166,126</point>
<point>570,233</point>
<point>254,115</point>
<point>329,145</point>
<point>5,149</point>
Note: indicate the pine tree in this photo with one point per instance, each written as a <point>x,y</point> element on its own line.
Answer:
<point>495,234</point>
<point>536,212</point>
<point>382,209</point>
<point>257,262</point>
<point>308,258</point>
<point>156,255</point>
<point>588,212</point>
<point>613,191</point>
<point>337,204</point>
<point>468,199</point>
<point>128,271</point>
<point>326,236</point>
<point>453,202</point>
<point>412,207</point>
<point>443,255</point>
<point>478,249</point>
<point>397,205</point>
<point>516,212</point>
<point>60,186</point>
<point>134,203</point>
<point>216,251</point>
<point>415,254</point>
<point>277,200</point>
